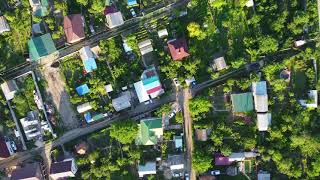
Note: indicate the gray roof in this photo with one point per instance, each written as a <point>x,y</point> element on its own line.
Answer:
<point>145,46</point>
<point>4,26</point>
<point>29,171</point>
<point>219,63</point>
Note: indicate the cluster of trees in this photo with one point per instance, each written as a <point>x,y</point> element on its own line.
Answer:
<point>6,120</point>
<point>114,159</point>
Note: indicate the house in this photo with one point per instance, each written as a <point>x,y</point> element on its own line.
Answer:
<point>178,142</point>
<point>242,102</point>
<point>263,175</point>
<point>263,121</point>
<point>4,26</point>
<point>41,46</point>
<point>29,172</point>
<point>122,102</point>
<point>145,47</point>
<point>108,88</point>
<point>39,7</point>
<point>312,102</point>
<point>74,27</point>
<point>83,89</point>
<point>30,125</point>
<point>4,149</point>
<point>221,160</point>
<point>163,33</point>
<point>132,2</point>
<point>84,107</point>
<point>146,169</point>
<point>178,49</point>
<point>109,10</point>
<point>202,134</point>
<point>150,130</point>
<point>9,88</point>
<point>88,59</point>
<point>37,28</point>
<point>219,64</point>
<point>175,162</point>
<point>149,86</point>
<point>241,156</point>
<point>260,96</point>
<point>63,170</point>
<point>82,148</point>
<point>113,19</point>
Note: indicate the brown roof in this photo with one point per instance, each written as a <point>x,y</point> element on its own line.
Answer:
<point>82,148</point>
<point>207,177</point>
<point>73,27</point>
<point>4,152</point>
<point>29,171</point>
<point>201,134</point>
<point>178,49</point>
<point>60,167</point>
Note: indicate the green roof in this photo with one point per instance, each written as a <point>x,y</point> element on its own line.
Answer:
<point>145,134</point>
<point>41,46</point>
<point>43,10</point>
<point>242,102</point>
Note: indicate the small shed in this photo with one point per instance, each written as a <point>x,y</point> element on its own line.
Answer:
<point>242,102</point>
<point>4,26</point>
<point>108,88</point>
<point>83,89</point>
<point>163,33</point>
<point>221,160</point>
<point>236,157</point>
<point>313,100</point>
<point>219,64</point>
<point>178,142</point>
<point>263,121</point>
<point>250,3</point>
<point>201,134</point>
<point>145,47</point>
<point>147,168</point>
<point>132,2</point>
<point>84,107</point>
<point>9,88</point>
<point>264,176</point>
<point>126,47</point>
<point>89,65</point>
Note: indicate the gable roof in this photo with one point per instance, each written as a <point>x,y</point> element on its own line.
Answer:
<point>242,102</point>
<point>178,142</point>
<point>114,19</point>
<point>109,9</point>
<point>261,103</point>
<point>4,26</point>
<point>61,167</point>
<point>259,88</point>
<point>220,63</point>
<point>121,102</point>
<point>73,27</point>
<point>145,47</point>
<point>41,46</point>
<point>86,53</point>
<point>151,82</point>
<point>29,171</point>
<point>162,33</point>
<point>132,2</point>
<point>221,160</point>
<point>9,88</point>
<point>83,89</point>
<point>149,131</point>
<point>148,168</point>
<point>263,121</point>
<point>89,65</point>
<point>178,49</point>
<point>264,176</point>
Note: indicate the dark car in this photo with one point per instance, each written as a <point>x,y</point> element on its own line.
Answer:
<point>254,66</point>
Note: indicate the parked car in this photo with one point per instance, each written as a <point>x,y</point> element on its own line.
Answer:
<point>186,176</point>
<point>177,174</point>
<point>171,115</point>
<point>133,13</point>
<point>176,82</point>
<point>215,172</point>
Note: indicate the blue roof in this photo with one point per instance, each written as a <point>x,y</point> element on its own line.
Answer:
<point>90,65</point>
<point>87,117</point>
<point>132,2</point>
<point>126,47</point>
<point>83,89</point>
<point>261,88</point>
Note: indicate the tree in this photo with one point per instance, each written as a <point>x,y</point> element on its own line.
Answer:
<point>267,45</point>
<point>201,161</point>
<point>199,105</point>
<point>124,131</point>
<point>195,31</point>
<point>97,6</point>
<point>83,2</point>
<point>191,67</point>
<point>164,109</point>
<point>110,49</point>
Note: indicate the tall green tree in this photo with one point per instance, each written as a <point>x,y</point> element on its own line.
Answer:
<point>124,131</point>
<point>199,105</point>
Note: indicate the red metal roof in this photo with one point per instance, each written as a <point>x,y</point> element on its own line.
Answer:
<point>109,9</point>
<point>4,152</point>
<point>150,91</point>
<point>178,49</point>
<point>73,27</point>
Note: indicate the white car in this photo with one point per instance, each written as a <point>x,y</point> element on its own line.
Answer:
<point>13,145</point>
<point>133,13</point>
<point>215,172</point>
<point>171,115</point>
<point>176,82</point>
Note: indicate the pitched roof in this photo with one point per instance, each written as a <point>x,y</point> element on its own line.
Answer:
<point>151,82</point>
<point>178,141</point>
<point>4,26</point>
<point>219,63</point>
<point>121,102</point>
<point>242,102</point>
<point>149,131</point>
<point>9,88</point>
<point>264,176</point>
<point>263,121</point>
<point>86,53</point>
<point>114,19</point>
<point>4,152</point>
<point>221,160</point>
<point>178,49</point>
<point>29,171</point>
<point>83,89</point>
<point>261,103</point>
<point>201,134</point>
<point>41,46</point>
<point>132,2</point>
<point>145,47</point>
<point>109,9</point>
<point>89,65</point>
<point>60,167</point>
<point>73,27</point>
<point>259,88</point>
<point>148,168</point>
<point>162,33</point>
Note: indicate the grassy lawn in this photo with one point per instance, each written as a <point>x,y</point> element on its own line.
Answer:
<point>300,83</point>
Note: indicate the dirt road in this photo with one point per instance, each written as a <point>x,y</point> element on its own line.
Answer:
<point>59,96</point>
